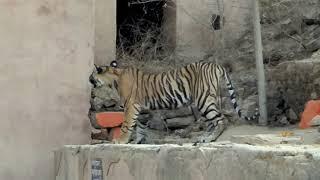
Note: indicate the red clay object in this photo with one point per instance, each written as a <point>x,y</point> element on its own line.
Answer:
<point>115,133</point>
<point>311,110</point>
<point>109,119</point>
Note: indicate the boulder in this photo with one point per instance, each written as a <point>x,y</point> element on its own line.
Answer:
<point>292,115</point>
<point>180,122</point>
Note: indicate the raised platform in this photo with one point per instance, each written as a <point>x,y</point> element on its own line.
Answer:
<point>220,161</point>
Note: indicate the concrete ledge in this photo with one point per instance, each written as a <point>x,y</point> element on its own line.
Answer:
<point>266,139</point>
<point>221,161</point>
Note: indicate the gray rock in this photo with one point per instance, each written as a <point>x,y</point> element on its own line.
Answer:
<point>179,122</point>
<point>292,115</point>
<point>157,124</point>
<point>96,103</point>
<point>316,55</point>
<point>314,96</point>
<point>250,105</point>
<point>284,120</point>
<point>286,81</point>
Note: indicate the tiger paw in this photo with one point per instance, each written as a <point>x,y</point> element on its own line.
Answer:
<point>120,141</point>
<point>115,141</point>
<point>206,138</point>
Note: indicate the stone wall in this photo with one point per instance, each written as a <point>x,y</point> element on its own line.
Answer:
<point>46,59</point>
<point>290,85</point>
<point>214,161</point>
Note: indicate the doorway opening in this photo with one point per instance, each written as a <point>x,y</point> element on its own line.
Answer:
<point>140,32</point>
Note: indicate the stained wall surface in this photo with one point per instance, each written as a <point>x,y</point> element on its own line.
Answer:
<point>195,35</point>
<point>105,31</point>
<point>46,58</point>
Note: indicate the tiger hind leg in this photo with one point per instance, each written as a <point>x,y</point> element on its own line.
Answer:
<point>216,121</point>
<point>210,136</point>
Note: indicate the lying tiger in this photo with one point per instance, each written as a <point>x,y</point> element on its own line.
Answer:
<point>197,83</point>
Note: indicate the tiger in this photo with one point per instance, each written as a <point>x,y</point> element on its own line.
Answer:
<point>196,83</point>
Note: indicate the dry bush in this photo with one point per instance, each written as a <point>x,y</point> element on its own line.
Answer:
<point>286,34</point>
<point>146,44</point>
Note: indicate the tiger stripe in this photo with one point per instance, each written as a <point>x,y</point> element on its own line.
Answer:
<point>196,83</point>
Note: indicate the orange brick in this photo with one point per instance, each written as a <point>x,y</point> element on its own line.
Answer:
<point>109,119</point>
<point>311,110</point>
<point>114,133</point>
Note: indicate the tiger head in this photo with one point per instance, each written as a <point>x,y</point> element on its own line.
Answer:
<point>106,75</point>
<point>114,77</point>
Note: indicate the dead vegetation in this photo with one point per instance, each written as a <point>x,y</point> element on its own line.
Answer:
<point>146,44</point>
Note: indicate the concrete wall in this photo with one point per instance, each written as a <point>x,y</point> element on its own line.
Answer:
<point>169,24</point>
<point>194,33</point>
<point>105,31</point>
<point>46,59</point>
<point>215,161</point>
<point>238,19</point>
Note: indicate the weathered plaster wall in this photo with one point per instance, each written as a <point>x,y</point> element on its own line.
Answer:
<point>194,33</point>
<point>187,24</point>
<point>46,58</point>
<point>105,31</point>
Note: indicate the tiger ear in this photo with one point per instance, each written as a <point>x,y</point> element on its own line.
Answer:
<point>99,69</point>
<point>114,64</point>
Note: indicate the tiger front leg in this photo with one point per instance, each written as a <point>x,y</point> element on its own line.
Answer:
<point>131,113</point>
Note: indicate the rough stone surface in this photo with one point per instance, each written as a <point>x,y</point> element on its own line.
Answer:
<point>218,161</point>
<point>290,85</point>
<point>316,55</point>
<point>285,34</point>
<point>284,120</point>
<point>104,98</point>
<point>292,115</point>
<point>179,122</point>
<point>266,139</point>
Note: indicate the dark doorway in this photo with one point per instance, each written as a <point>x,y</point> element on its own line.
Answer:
<point>138,24</point>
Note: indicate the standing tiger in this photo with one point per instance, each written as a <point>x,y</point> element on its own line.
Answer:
<point>197,83</point>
